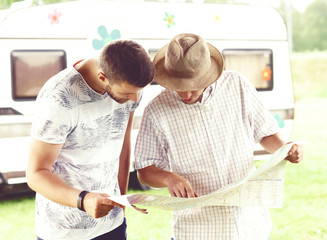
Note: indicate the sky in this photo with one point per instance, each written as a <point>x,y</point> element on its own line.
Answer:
<point>301,5</point>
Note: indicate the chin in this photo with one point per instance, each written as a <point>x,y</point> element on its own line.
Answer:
<point>118,100</point>
<point>121,101</point>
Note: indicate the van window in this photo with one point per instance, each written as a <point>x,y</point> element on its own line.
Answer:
<point>152,53</point>
<point>255,64</point>
<point>30,69</point>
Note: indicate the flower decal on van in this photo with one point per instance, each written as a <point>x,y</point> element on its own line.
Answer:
<point>169,19</point>
<point>54,17</point>
<point>280,121</point>
<point>266,74</point>
<point>102,30</point>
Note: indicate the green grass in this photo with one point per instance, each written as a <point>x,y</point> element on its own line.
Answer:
<point>152,226</point>
<point>309,74</point>
<point>17,218</point>
<point>304,214</point>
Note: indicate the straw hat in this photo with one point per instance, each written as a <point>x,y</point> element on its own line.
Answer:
<point>187,63</point>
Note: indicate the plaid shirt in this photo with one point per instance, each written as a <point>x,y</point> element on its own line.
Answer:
<point>211,144</point>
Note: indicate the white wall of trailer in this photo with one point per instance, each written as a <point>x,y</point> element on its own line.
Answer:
<point>81,28</point>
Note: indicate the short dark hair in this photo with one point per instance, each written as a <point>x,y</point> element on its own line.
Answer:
<point>126,60</point>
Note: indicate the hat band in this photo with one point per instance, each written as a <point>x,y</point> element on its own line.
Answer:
<point>184,74</point>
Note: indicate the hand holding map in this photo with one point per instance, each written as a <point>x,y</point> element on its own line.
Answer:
<point>262,187</point>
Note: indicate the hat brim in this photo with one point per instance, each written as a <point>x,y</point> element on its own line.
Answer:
<point>177,83</point>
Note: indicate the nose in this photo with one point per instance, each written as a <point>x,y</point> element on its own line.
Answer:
<point>133,97</point>
<point>185,95</point>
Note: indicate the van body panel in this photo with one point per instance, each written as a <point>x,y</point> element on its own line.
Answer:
<point>82,28</point>
<point>163,20</point>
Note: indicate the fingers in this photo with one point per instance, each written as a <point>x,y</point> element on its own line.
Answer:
<point>107,202</point>
<point>178,192</point>
<point>180,187</point>
<point>295,154</point>
<point>98,205</point>
<point>183,192</point>
<point>144,211</point>
<point>101,212</point>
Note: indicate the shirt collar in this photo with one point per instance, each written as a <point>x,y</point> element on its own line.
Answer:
<point>207,93</point>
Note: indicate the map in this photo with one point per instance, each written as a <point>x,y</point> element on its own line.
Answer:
<point>263,187</point>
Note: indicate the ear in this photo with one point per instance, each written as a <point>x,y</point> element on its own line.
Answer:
<point>101,76</point>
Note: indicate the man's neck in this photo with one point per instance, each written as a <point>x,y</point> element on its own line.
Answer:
<point>89,71</point>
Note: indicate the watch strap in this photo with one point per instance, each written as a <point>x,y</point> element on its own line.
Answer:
<point>80,199</point>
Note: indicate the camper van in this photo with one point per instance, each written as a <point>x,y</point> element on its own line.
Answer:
<point>36,42</point>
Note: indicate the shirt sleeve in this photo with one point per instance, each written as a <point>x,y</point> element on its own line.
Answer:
<point>51,123</point>
<point>151,146</point>
<point>262,121</point>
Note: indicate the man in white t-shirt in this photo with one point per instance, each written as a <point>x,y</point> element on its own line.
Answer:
<point>198,136</point>
<point>80,149</point>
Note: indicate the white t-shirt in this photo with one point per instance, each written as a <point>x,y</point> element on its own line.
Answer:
<point>91,128</point>
<point>211,144</point>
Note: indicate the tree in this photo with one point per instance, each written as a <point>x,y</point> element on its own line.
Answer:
<point>7,3</point>
<point>316,22</point>
<point>299,39</point>
<point>309,28</point>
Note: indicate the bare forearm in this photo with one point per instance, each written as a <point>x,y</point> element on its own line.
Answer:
<point>52,187</point>
<point>272,143</point>
<point>42,180</point>
<point>153,177</point>
<point>124,163</point>
<point>125,158</point>
<point>176,184</point>
<point>123,177</point>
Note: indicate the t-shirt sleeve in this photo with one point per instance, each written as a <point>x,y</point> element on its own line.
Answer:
<point>52,123</point>
<point>151,146</point>
<point>262,121</point>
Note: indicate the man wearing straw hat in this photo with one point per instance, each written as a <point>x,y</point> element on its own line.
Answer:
<point>198,136</point>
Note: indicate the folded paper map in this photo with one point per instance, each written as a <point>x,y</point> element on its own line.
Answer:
<point>262,187</point>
